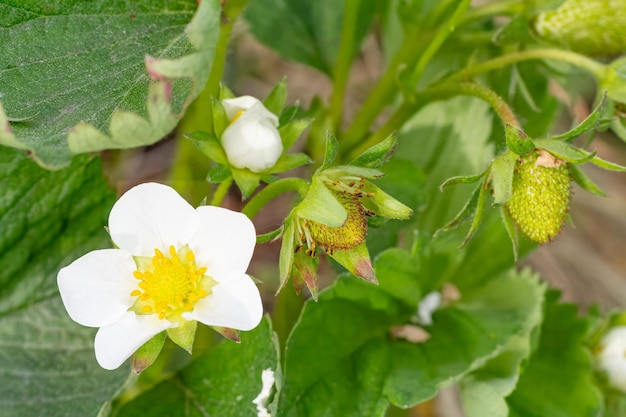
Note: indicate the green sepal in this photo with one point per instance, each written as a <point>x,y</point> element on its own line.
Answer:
<point>288,114</point>
<point>463,179</point>
<point>511,230</point>
<point>147,353</point>
<point>517,141</point>
<point>332,146</point>
<point>184,334</point>
<point>377,155</point>
<point>275,100</point>
<point>218,173</point>
<point>383,204</point>
<point>269,236</point>
<point>290,132</point>
<point>502,170</point>
<point>228,333</point>
<point>565,151</point>
<point>321,206</point>
<point>478,216</point>
<point>584,181</point>
<point>246,180</point>
<point>305,272</point>
<point>591,122</point>
<point>220,119</point>
<point>357,261</point>
<point>290,161</point>
<point>143,263</point>
<point>468,209</point>
<point>209,145</point>
<point>363,172</point>
<point>607,165</point>
<point>287,252</point>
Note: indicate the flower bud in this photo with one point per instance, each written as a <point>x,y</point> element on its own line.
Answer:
<point>612,357</point>
<point>251,140</point>
<point>594,28</point>
<point>541,195</point>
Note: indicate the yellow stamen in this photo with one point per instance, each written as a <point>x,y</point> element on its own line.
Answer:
<point>171,284</point>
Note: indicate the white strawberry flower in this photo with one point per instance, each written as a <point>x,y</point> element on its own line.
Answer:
<point>612,357</point>
<point>174,265</point>
<point>251,140</point>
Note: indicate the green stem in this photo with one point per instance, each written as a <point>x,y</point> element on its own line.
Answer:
<point>344,61</point>
<point>434,45</point>
<point>596,68</point>
<point>221,191</point>
<point>273,190</point>
<point>188,162</point>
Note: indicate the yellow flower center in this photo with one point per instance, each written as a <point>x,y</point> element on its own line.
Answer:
<point>170,286</point>
<point>237,116</point>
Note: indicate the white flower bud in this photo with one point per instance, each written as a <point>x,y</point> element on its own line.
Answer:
<point>427,306</point>
<point>251,140</point>
<point>612,357</point>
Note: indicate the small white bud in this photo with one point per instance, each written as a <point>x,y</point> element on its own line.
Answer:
<point>612,357</point>
<point>427,307</point>
<point>251,140</point>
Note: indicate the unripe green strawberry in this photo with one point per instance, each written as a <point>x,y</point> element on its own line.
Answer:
<point>347,236</point>
<point>541,195</point>
<point>591,27</point>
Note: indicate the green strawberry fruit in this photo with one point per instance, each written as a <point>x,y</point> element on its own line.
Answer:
<point>541,195</point>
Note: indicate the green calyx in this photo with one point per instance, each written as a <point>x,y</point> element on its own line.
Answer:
<point>593,28</point>
<point>540,196</point>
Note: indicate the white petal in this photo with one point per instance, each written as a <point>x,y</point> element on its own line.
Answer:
<point>235,304</point>
<point>427,307</point>
<point>244,103</point>
<point>151,216</point>
<point>96,287</point>
<point>224,242</point>
<point>252,142</point>
<point>117,342</point>
<point>612,357</point>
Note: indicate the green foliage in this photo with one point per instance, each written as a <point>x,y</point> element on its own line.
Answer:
<point>367,367</point>
<point>93,86</point>
<point>222,382</point>
<point>565,389</point>
<point>47,365</point>
<point>314,28</point>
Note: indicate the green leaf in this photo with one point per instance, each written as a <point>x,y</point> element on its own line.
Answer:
<point>483,391</point>
<point>47,365</point>
<point>515,31</point>
<point>590,123</point>
<point>223,382</point>
<point>447,139</point>
<point>287,252</point>
<point>48,219</point>
<point>314,28</point>
<point>560,356</point>
<point>209,145</point>
<point>367,369</point>
<point>470,208</point>
<point>99,74</point>
<point>511,230</point>
<point>377,155</point>
<point>275,100</point>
